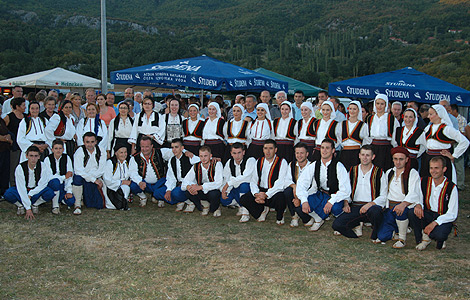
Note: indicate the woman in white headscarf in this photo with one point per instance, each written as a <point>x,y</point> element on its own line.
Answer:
<point>213,132</point>
<point>236,130</point>
<point>410,136</point>
<point>353,133</point>
<point>192,130</point>
<point>304,131</point>
<point>326,128</point>
<point>261,130</point>
<point>284,132</point>
<point>440,135</point>
<point>382,125</point>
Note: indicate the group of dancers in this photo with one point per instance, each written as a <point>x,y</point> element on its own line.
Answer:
<point>375,171</point>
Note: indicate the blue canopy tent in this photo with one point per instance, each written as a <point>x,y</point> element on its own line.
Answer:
<point>294,84</point>
<point>406,84</point>
<point>202,72</point>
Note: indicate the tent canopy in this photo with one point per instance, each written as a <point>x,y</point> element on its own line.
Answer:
<point>54,78</point>
<point>406,84</point>
<point>294,84</point>
<point>200,72</point>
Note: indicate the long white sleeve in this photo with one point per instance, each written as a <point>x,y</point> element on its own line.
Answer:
<point>218,179</point>
<point>344,191</point>
<point>279,183</point>
<point>306,182</point>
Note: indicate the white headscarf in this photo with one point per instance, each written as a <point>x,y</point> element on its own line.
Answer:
<point>443,114</point>
<point>217,107</point>
<point>330,104</point>
<point>291,115</point>
<point>384,98</point>
<point>266,108</point>
<point>309,106</point>
<point>358,104</point>
<point>415,123</point>
<point>239,106</point>
<point>197,107</point>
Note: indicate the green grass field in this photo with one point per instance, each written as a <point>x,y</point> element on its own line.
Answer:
<point>152,253</point>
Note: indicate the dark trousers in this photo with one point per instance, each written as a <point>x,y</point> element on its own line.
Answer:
<point>440,232</point>
<point>277,202</point>
<point>347,221</point>
<point>213,197</point>
<point>289,196</point>
<point>4,171</point>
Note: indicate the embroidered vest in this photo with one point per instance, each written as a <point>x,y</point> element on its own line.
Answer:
<point>210,171</point>
<point>354,134</point>
<point>390,123</point>
<point>439,135</point>
<point>241,135</point>
<point>375,176</point>
<point>273,174</point>
<point>404,183</point>
<point>156,162</point>
<point>330,133</point>
<point>444,196</point>
<point>197,132</point>
<point>332,176</point>
<point>290,128</point>
<point>410,143</point>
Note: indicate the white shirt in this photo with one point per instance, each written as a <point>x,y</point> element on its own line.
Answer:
<point>54,121</point>
<point>395,191</point>
<point>260,130</point>
<point>363,188</point>
<point>210,130</point>
<point>150,175</point>
<point>239,178</point>
<point>25,140</point>
<point>207,185</point>
<point>67,182</point>
<point>421,141</point>
<point>323,129</point>
<point>21,183</point>
<point>302,135</point>
<point>306,182</point>
<point>191,126</point>
<point>124,131</point>
<point>172,178</point>
<point>264,183</point>
<point>114,180</point>
<point>83,128</point>
<point>461,141</point>
<point>94,169</point>
<point>453,207</point>
<point>158,132</point>
<point>379,127</point>
<point>282,128</point>
<point>236,130</point>
<point>363,133</point>
<point>289,180</point>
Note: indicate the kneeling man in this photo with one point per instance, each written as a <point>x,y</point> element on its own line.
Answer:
<point>437,208</point>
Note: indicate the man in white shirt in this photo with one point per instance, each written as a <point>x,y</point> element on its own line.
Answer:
<point>17,93</point>
<point>403,192</point>
<point>203,182</point>
<point>61,168</point>
<point>267,185</point>
<point>89,163</point>
<point>368,194</point>
<point>323,187</point>
<point>90,96</point>
<point>178,166</point>
<point>296,168</point>
<point>237,174</point>
<point>31,188</point>
<point>437,209</point>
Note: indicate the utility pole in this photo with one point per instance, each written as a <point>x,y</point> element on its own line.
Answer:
<point>104,55</point>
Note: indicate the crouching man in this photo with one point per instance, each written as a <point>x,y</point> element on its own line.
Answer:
<point>31,190</point>
<point>329,181</point>
<point>87,182</point>
<point>437,208</point>
<point>237,174</point>
<point>62,176</point>
<point>267,185</point>
<point>203,182</point>
<point>368,194</point>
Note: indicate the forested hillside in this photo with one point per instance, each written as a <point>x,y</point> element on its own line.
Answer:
<point>316,41</point>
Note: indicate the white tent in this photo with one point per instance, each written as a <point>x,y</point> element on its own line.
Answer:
<point>54,78</point>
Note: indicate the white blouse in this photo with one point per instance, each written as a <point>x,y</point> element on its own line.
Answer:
<point>236,130</point>
<point>210,130</point>
<point>261,130</point>
<point>363,134</point>
<point>89,126</point>
<point>282,128</point>
<point>302,135</point>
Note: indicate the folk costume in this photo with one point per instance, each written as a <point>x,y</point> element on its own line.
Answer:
<point>213,133</point>
<point>304,131</point>
<point>178,168</point>
<point>95,125</point>
<point>153,125</point>
<point>238,176</point>
<point>260,131</point>
<point>115,172</point>
<point>119,131</point>
<point>192,133</point>
<point>62,127</point>
<point>31,131</point>
<point>291,180</point>
<point>284,135</point>
<point>58,183</point>
<point>325,129</point>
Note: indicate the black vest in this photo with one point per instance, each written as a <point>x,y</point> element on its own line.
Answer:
<point>233,169</point>
<point>210,171</point>
<point>87,156</point>
<point>404,183</point>
<point>116,128</point>
<point>330,133</point>
<point>411,141</point>
<point>332,176</point>
<point>273,172</point>
<point>241,135</point>
<point>375,176</point>
<point>156,160</point>
<point>185,165</point>
<point>62,164</point>
<point>439,135</point>
<point>154,122</point>
<point>390,123</point>
<point>37,172</point>
<point>355,134</point>
<point>197,130</point>
<point>290,128</point>
<point>444,197</point>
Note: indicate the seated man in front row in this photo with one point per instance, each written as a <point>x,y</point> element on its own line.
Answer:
<point>369,193</point>
<point>237,175</point>
<point>203,182</point>
<point>267,185</point>
<point>31,190</point>
<point>332,184</point>
<point>178,166</point>
<point>437,208</point>
<point>89,163</point>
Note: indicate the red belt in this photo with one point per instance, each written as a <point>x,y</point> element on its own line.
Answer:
<point>381,142</point>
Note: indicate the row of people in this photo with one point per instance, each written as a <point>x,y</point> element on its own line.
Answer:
<point>310,190</point>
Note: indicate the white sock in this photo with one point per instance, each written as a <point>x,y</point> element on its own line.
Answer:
<point>315,217</point>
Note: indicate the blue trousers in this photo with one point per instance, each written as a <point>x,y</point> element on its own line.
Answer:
<point>92,195</point>
<point>55,185</point>
<point>318,201</point>
<point>12,195</point>
<point>157,189</point>
<point>177,196</point>
<point>389,224</point>
<point>235,194</point>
